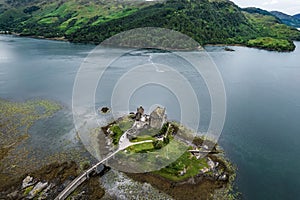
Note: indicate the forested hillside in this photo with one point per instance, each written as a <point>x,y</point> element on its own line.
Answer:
<point>206,21</point>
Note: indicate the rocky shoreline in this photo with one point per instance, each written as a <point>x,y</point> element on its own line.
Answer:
<point>25,172</point>
<point>201,186</point>
<point>47,182</point>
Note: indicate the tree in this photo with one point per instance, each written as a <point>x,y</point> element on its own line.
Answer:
<point>158,144</point>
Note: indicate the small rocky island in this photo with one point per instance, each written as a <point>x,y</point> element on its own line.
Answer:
<point>201,170</point>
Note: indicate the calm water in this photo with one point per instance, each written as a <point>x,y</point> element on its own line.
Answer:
<point>261,132</point>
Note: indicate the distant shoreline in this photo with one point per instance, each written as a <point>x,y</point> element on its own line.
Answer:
<point>91,43</point>
<point>35,37</point>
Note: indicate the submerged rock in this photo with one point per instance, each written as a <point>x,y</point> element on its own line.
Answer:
<point>228,49</point>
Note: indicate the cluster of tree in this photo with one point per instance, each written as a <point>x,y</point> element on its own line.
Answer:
<point>31,9</point>
<point>158,144</point>
<point>272,44</point>
<point>165,132</point>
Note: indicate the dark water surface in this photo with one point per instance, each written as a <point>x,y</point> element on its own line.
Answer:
<point>261,132</point>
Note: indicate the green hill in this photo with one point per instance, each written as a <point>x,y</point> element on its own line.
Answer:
<point>206,21</point>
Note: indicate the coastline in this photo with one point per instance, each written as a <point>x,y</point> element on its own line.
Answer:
<point>193,187</point>
<point>275,49</point>
<point>200,48</point>
<point>63,39</point>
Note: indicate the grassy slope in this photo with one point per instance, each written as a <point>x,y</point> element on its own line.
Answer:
<point>59,18</point>
<point>206,21</point>
<point>186,161</point>
<point>272,34</point>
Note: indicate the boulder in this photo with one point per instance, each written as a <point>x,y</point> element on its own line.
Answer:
<point>204,170</point>
<point>211,163</point>
<point>28,181</point>
<point>37,189</point>
<point>44,194</point>
<point>223,177</point>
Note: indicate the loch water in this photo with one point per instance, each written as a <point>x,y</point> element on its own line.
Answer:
<point>261,133</point>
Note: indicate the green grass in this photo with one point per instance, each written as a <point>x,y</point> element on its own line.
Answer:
<point>155,157</point>
<point>149,132</point>
<point>142,138</point>
<point>65,24</point>
<point>141,148</point>
<point>187,161</point>
<point>28,190</point>
<point>117,133</point>
<point>115,15</point>
<point>61,10</point>
<point>82,13</point>
<point>174,148</point>
<point>48,20</point>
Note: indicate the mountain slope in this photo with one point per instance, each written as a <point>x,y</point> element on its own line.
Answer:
<point>206,21</point>
<point>271,33</point>
<point>297,16</point>
<point>287,19</point>
<point>254,10</point>
<point>56,18</point>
